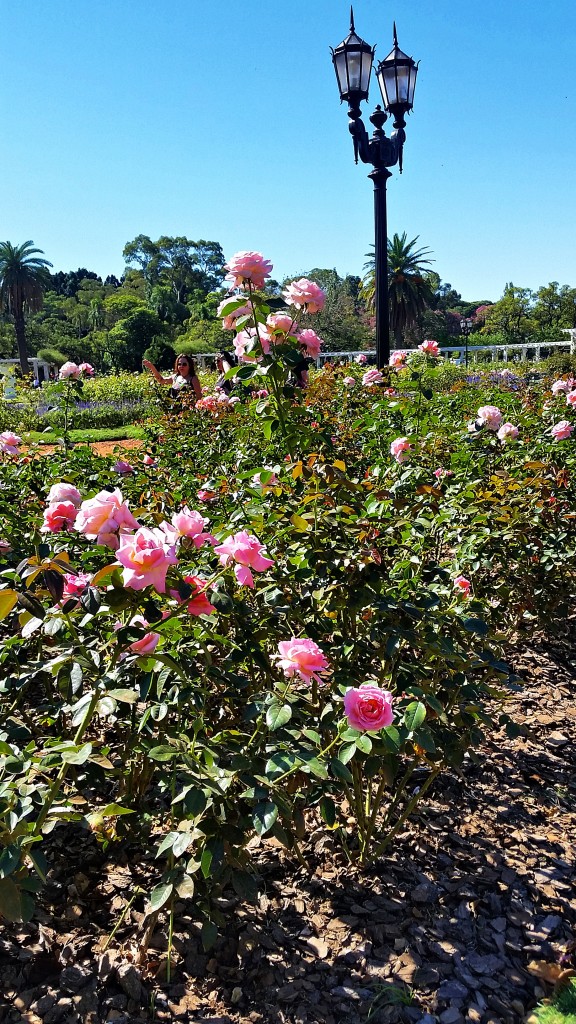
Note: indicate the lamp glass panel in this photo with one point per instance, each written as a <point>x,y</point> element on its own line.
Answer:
<point>340,65</point>
<point>355,71</point>
<point>402,78</point>
<point>366,69</point>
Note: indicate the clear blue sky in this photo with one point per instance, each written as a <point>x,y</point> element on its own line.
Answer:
<point>217,120</point>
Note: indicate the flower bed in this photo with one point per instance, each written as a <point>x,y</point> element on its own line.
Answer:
<point>290,610</point>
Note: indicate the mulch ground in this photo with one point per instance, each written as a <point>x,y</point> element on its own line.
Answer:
<point>466,920</point>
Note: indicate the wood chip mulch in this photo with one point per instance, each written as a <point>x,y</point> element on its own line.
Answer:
<point>470,918</point>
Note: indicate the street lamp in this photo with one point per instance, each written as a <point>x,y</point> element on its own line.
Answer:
<point>465,328</point>
<point>396,76</point>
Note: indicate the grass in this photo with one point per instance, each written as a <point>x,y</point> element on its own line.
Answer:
<point>88,435</point>
<point>561,1011</point>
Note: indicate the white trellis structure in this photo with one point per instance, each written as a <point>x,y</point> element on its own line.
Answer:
<point>40,368</point>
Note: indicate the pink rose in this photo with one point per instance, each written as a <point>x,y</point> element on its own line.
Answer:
<point>87,369</point>
<point>429,348</point>
<point>507,432</point>
<point>60,515</point>
<point>246,551</point>
<point>64,492</point>
<point>248,266</point>
<point>262,393</point>
<point>148,643</point>
<point>189,524</point>
<point>368,708</point>
<point>562,430</point>
<point>205,495</point>
<point>371,377</point>
<point>301,657</point>
<point>361,359</point>
<point>101,518</point>
<point>244,341</point>
<point>69,370</point>
<point>563,385</point>
<point>311,342</point>
<point>349,381</point>
<point>400,448</point>
<point>9,442</point>
<point>270,482</point>
<point>149,461</point>
<point>463,585</point>
<point>440,472</point>
<point>571,398</point>
<point>74,586</point>
<point>489,416</point>
<point>305,294</point>
<point>281,323</point>
<point>5,546</point>
<point>146,556</point>
<point>198,603</point>
<point>398,358</point>
<point>122,467</point>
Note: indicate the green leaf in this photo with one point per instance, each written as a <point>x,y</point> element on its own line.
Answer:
<point>209,935</point>
<point>124,696</point>
<point>346,754</point>
<point>328,811</point>
<point>77,755</point>
<point>160,895</point>
<point>414,715</point>
<point>9,860</point>
<point>476,626</point>
<point>364,743</point>
<point>162,753</point>
<point>264,815</point>
<point>277,715</point>
<point>15,905</point>
<point>340,770</point>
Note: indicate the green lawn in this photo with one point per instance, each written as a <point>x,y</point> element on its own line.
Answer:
<point>97,434</point>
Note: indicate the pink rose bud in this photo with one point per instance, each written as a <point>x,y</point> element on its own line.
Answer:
<point>301,657</point>
<point>87,369</point>
<point>368,708</point>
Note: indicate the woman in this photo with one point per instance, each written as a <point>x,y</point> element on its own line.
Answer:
<point>224,362</point>
<point>183,378</point>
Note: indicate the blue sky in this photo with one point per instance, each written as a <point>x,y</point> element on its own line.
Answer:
<point>215,120</point>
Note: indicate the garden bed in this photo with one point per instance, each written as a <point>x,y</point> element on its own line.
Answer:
<point>464,921</point>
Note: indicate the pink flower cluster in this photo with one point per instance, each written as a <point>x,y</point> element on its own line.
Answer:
<point>507,432</point>
<point>400,449</point>
<point>430,348</point>
<point>563,385</point>
<point>246,551</point>
<point>248,267</point>
<point>10,443</point>
<point>368,707</point>
<point>301,657</point>
<point>75,371</point>
<point>305,294</point>
<point>62,508</point>
<point>75,584</point>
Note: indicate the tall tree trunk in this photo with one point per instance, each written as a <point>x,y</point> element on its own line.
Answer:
<point>21,341</point>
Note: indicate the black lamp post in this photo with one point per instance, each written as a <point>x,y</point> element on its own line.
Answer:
<point>465,328</point>
<point>396,76</point>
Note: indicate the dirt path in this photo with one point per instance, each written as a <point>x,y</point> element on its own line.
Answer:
<point>102,447</point>
<point>463,922</point>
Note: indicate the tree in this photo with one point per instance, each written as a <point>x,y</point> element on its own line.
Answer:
<point>409,291</point>
<point>343,323</point>
<point>24,277</point>
<point>129,339</point>
<point>179,263</point>
<point>511,316</point>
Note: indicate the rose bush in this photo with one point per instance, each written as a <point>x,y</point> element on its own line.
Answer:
<point>320,656</point>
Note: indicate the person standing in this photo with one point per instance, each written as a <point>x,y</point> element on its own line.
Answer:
<point>183,378</point>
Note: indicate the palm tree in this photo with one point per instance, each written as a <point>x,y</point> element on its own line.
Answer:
<point>23,279</point>
<point>408,290</point>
